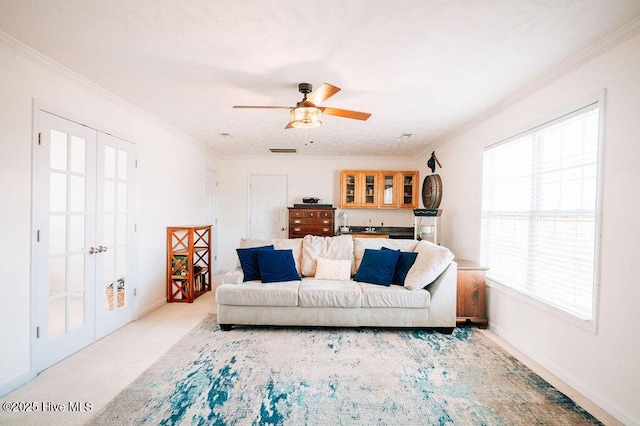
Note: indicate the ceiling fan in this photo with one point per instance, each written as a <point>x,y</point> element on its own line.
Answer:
<point>307,113</point>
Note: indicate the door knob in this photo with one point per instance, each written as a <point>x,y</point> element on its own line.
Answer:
<point>99,249</point>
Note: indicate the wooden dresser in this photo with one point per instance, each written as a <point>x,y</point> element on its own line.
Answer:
<point>312,220</point>
<point>472,293</point>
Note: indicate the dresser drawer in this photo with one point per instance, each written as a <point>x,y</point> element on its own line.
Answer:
<point>304,213</point>
<point>302,230</point>
<point>311,221</point>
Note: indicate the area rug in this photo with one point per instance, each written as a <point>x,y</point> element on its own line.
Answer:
<point>323,376</point>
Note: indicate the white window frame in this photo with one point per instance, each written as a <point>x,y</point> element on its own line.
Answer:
<point>590,324</point>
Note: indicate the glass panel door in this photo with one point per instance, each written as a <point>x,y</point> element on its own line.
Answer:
<point>64,220</point>
<point>83,237</point>
<point>349,190</point>
<point>114,234</point>
<point>369,189</point>
<point>388,189</point>
<point>409,188</point>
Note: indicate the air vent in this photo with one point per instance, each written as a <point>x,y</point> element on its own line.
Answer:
<point>283,150</point>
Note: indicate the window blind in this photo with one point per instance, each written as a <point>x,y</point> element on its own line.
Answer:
<point>539,199</point>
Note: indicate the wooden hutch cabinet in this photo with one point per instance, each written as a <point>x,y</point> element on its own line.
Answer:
<point>311,220</point>
<point>386,189</point>
<point>359,188</point>
<point>188,262</point>
<point>408,194</point>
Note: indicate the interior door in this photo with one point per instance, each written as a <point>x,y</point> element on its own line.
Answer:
<point>84,248</point>
<point>268,206</point>
<point>115,264</point>
<point>64,230</point>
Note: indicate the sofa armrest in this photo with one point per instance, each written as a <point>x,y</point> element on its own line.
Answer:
<point>442,311</point>
<point>233,277</point>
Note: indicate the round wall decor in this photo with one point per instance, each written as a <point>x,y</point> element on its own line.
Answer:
<point>431,192</point>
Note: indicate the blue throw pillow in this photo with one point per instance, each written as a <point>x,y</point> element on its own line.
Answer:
<point>405,262</point>
<point>377,266</point>
<point>249,261</point>
<point>277,265</point>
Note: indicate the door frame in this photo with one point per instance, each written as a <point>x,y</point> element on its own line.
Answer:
<point>211,212</point>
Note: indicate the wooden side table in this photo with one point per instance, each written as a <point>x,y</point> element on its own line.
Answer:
<point>471,305</point>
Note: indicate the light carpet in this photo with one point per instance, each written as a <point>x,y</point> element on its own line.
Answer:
<point>324,376</point>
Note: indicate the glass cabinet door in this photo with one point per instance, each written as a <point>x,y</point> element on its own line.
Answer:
<point>349,189</point>
<point>409,188</point>
<point>369,197</point>
<point>388,189</point>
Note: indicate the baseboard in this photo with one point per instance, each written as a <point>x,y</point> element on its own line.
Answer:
<point>151,307</point>
<point>7,387</point>
<point>572,382</point>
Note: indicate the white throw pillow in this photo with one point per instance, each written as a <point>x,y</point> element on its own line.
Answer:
<point>431,261</point>
<point>330,269</point>
<point>314,246</point>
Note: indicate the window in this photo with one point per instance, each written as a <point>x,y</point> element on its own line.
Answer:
<point>539,212</point>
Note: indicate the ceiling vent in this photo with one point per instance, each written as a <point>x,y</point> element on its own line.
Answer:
<point>283,150</point>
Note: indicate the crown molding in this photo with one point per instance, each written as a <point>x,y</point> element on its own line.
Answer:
<point>610,41</point>
<point>18,48</point>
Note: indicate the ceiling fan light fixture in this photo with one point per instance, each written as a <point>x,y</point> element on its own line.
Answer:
<point>306,117</point>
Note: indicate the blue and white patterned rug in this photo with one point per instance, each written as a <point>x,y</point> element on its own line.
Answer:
<point>320,376</point>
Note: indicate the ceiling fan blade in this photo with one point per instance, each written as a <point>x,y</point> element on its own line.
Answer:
<point>346,113</point>
<point>289,126</point>
<point>321,94</point>
<point>258,106</point>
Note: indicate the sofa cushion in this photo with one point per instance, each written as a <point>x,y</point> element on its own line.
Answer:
<point>406,259</point>
<point>377,266</point>
<point>360,244</point>
<point>256,242</point>
<point>313,246</point>
<point>277,266</point>
<point>431,261</point>
<point>375,296</point>
<point>255,293</point>
<point>329,294</point>
<point>295,244</point>
<point>249,261</point>
<point>330,269</point>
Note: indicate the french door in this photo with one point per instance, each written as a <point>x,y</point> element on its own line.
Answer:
<point>83,245</point>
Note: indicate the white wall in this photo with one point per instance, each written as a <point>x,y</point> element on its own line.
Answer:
<point>603,366</point>
<point>307,177</point>
<point>166,195</point>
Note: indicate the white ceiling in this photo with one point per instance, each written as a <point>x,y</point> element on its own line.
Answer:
<point>424,67</point>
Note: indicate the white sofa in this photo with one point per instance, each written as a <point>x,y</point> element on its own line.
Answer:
<point>343,303</point>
